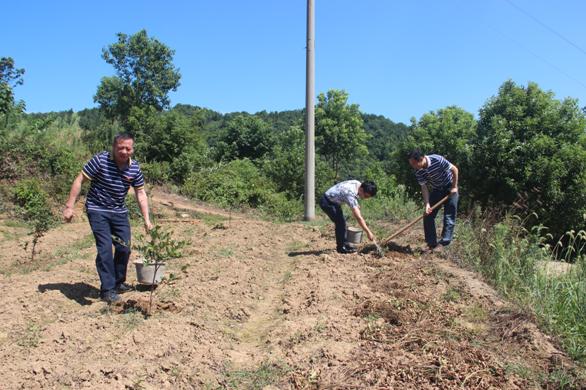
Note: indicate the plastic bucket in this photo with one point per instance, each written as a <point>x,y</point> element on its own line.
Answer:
<point>354,235</point>
<point>146,273</point>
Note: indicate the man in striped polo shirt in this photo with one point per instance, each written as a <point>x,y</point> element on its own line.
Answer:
<point>438,178</point>
<point>111,174</point>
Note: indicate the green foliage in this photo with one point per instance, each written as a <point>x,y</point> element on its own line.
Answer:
<point>144,77</point>
<point>245,136</point>
<point>513,260</point>
<point>98,130</point>
<point>237,184</point>
<point>38,152</point>
<point>340,135</point>
<point>278,205</point>
<point>35,209</point>
<point>533,147</point>
<point>285,165</point>
<point>234,184</point>
<point>9,78</point>
<point>264,376</point>
<point>156,172</point>
<point>282,120</point>
<point>159,246</point>
<point>385,136</point>
<point>450,132</point>
<point>175,142</point>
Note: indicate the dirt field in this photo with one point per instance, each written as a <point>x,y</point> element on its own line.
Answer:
<point>256,305</point>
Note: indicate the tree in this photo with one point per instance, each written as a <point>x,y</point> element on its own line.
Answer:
<point>144,77</point>
<point>10,77</point>
<point>341,138</point>
<point>532,148</point>
<point>450,131</point>
<point>245,136</point>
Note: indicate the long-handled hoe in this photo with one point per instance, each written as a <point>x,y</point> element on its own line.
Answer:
<point>385,242</point>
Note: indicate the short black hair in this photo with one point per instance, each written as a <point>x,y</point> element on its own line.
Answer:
<point>369,187</point>
<point>415,154</point>
<point>122,137</point>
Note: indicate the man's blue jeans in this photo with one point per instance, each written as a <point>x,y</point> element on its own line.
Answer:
<point>450,211</point>
<point>334,211</point>
<point>111,267</point>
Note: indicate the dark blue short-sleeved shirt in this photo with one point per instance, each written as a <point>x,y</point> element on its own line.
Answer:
<point>110,184</point>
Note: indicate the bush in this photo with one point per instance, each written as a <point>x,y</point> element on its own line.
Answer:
<point>278,205</point>
<point>156,172</point>
<point>235,184</point>
<point>533,147</point>
<point>35,209</point>
<point>238,184</point>
<point>32,200</point>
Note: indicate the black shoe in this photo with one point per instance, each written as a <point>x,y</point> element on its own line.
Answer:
<point>346,249</point>
<point>124,287</point>
<point>110,297</point>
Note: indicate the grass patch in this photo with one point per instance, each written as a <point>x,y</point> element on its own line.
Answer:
<point>225,252</point>
<point>475,313</point>
<point>131,319</point>
<point>30,336</point>
<point>452,295</point>
<point>294,246</point>
<point>14,223</point>
<point>256,379</point>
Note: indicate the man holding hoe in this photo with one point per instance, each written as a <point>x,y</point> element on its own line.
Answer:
<point>347,192</point>
<point>438,174</point>
<point>111,174</point>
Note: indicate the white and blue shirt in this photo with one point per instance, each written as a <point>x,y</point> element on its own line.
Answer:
<point>438,173</point>
<point>344,192</point>
<point>109,183</point>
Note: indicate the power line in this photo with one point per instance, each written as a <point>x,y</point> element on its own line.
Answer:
<point>554,66</point>
<point>546,26</point>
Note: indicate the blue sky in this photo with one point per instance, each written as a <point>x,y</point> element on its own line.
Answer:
<point>399,59</point>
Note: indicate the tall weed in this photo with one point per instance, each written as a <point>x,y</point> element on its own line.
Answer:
<point>515,261</point>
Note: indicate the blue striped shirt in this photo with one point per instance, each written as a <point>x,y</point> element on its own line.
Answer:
<point>438,173</point>
<point>110,184</point>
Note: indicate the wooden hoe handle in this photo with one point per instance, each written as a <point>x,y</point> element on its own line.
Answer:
<point>435,206</point>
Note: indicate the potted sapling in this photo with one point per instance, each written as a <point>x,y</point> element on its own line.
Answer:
<point>154,250</point>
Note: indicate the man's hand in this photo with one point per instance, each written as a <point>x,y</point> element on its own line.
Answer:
<point>370,235</point>
<point>148,226</point>
<point>68,213</point>
<point>428,209</point>
<point>453,191</point>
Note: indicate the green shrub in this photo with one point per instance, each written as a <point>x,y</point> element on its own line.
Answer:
<point>234,184</point>
<point>35,209</point>
<point>156,172</point>
<point>278,205</point>
<point>531,151</point>
<point>238,184</point>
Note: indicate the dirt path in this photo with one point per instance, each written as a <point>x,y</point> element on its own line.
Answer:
<point>260,305</point>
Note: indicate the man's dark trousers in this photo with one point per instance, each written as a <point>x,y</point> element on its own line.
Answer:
<point>450,210</point>
<point>111,268</point>
<point>334,211</point>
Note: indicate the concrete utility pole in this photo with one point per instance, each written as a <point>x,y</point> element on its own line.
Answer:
<point>310,117</point>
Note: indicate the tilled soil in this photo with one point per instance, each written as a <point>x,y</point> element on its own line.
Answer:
<point>255,304</point>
